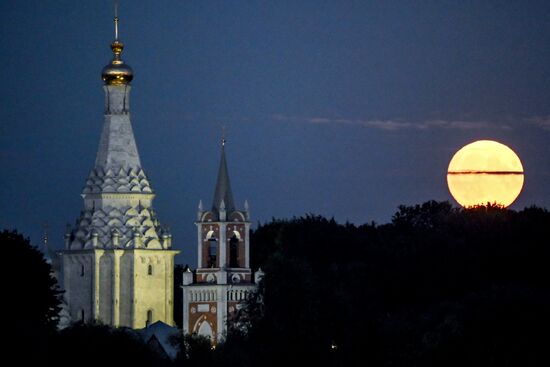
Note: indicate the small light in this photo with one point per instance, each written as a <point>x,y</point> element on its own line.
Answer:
<point>333,346</point>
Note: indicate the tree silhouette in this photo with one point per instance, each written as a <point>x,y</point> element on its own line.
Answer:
<point>178,295</point>
<point>97,344</point>
<point>31,297</point>
<point>437,286</point>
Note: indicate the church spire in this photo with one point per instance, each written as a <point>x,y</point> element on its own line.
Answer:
<point>223,193</point>
<point>45,247</point>
<point>117,147</point>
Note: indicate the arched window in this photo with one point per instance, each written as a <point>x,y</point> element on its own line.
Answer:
<point>82,315</point>
<point>206,330</point>
<point>234,252</point>
<point>149,318</point>
<point>81,270</point>
<point>212,252</point>
<point>149,269</point>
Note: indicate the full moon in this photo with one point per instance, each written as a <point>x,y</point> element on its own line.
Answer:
<point>485,172</point>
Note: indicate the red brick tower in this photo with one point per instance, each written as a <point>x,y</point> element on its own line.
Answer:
<point>223,278</point>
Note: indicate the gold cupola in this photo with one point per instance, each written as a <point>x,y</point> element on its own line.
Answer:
<point>117,72</point>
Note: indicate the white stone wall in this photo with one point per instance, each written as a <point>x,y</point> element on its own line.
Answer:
<point>153,292</point>
<point>78,282</point>
<point>116,287</point>
<point>126,289</point>
<point>106,288</point>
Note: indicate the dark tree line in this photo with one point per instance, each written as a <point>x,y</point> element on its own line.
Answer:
<point>436,286</point>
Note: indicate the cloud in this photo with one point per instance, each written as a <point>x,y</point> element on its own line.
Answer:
<point>541,121</point>
<point>508,123</point>
<point>391,124</point>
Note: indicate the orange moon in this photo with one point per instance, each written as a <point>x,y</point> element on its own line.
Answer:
<point>485,171</point>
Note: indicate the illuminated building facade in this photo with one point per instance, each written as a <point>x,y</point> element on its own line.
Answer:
<point>223,278</point>
<point>118,262</point>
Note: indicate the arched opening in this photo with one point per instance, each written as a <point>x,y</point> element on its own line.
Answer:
<point>81,270</point>
<point>206,330</point>
<point>212,252</point>
<point>149,269</point>
<point>82,315</point>
<point>234,252</point>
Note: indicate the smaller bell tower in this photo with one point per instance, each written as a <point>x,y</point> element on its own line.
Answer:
<point>213,293</point>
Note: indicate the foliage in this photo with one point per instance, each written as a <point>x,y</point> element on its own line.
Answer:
<point>437,286</point>
<point>31,297</point>
<point>32,289</point>
<point>178,295</point>
<point>97,344</point>
<point>194,350</point>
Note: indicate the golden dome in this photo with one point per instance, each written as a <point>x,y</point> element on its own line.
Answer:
<point>117,72</point>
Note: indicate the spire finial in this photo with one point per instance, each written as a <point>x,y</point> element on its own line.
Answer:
<point>223,187</point>
<point>116,20</point>
<point>45,227</point>
<point>48,256</point>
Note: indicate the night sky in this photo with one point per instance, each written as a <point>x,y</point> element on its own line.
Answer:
<point>340,108</point>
